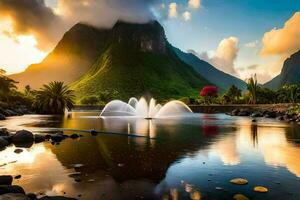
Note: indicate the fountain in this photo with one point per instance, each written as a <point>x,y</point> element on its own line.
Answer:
<point>142,109</point>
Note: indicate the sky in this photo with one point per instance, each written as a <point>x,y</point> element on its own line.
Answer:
<point>239,37</point>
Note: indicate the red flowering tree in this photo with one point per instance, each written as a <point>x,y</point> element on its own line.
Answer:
<point>208,92</point>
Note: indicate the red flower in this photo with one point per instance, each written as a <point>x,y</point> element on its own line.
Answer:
<point>209,91</point>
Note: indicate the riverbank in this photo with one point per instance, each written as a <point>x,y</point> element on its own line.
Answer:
<point>9,112</point>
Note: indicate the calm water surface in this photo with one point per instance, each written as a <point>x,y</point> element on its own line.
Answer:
<point>190,158</point>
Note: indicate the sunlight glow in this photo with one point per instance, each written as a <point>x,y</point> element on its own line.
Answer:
<point>17,52</point>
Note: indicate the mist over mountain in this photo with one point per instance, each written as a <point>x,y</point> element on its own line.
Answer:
<point>290,73</point>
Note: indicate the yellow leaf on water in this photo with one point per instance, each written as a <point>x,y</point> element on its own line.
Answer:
<point>261,189</point>
<point>240,197</point>
<point>239,181</point>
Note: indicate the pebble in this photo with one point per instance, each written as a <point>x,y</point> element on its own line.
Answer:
<point>18,151</point>
<point>18,177</point>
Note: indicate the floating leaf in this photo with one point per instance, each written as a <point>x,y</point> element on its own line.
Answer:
<point>239,181</point>
<point>240,197</point>
<point>261,189</point>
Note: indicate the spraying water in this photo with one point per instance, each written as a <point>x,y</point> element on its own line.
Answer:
<point>142,109</point>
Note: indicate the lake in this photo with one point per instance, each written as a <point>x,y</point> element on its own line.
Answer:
<point>182,158</point>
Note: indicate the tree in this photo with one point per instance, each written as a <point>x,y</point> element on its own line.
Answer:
<point>252,87</point>
<point>232,95</point>
<point>208,92</point>
<point>7,85</point>
<point>289,93</point>
<point>54,98</point>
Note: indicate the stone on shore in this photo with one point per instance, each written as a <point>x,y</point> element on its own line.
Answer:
<point>74,136</point>
<point>5,189</point>
<point>14,196</point>
<point>57,138</point>
<point>239,181</point>
<point>23,136</point>
<point>4,132</point>
<point>2,117</point>
<point>3,143</point>
<point>39,138</point>
<point>6,180</point>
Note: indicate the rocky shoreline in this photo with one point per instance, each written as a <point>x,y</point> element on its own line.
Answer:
<point>9,112</point>
<point>25,139</point>
<point>281,115</point>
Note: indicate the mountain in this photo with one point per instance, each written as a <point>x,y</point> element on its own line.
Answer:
<point>139,60</point>
<point>290,73</point>
<point>212,74</point>
<point>70,59</point>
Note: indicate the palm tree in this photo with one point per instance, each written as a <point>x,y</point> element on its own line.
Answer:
<point>252,87</point>
<point>54,98</point>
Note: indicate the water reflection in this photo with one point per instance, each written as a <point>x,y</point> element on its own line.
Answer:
<point>189,158</point>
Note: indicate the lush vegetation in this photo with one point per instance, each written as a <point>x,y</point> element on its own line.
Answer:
<point>255,94</point>
<point>53,98</point>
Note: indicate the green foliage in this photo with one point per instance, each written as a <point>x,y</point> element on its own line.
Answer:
<point>185,100</point>
<point>54,98</point>
<point>232,95</point>
<point>252,87</point>
<point>129,72</point>
<point>289,93</point>
<point>7,87</point>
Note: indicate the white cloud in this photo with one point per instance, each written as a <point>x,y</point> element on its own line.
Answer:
<point>173,10</point>
<point>186,16</point>
<point>251,44</point>
<point>224,56</point>
<point>194,4</point>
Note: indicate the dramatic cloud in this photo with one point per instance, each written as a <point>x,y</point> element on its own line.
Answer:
<point>225,55</point>
<point>186,16</point>
<point>194,4</point>
<point>173,10</point>
<point>284,41</point>
<point>33,17</point>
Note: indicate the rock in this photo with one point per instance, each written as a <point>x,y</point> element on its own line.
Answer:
<point>56,198</point>
<point>240,197</point>
<point>39,138</point>
<point>31,196</point>
<point>254,120</point>
<point>47,137</point>
<point>280,118</point>
<point>94,132</point>
<point>4,132</point>
<point>57,138</point>
<point>256,114</point>
<point>6,180</point>
<point>17,151</point>
<point>244,113</point>
<point>2,117</point>
<point>270,114</point>
<point>23,144</point>
<point>5,189</point>
<point>239,181</point>
<point>74,136</point>
<point>261,189</point>
<point>18,177</point>
<point>235,112</point>
<point>23,136</point>
<point>3,143</point>
<point>14,196</point>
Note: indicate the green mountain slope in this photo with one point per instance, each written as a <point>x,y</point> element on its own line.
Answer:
<point>290,73</point>
<point>132,72</point>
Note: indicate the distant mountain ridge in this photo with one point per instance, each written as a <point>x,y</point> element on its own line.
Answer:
<point>138,60</point>
<point>212,74</point>
<point>132,59</point>
<point>290,73</point>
